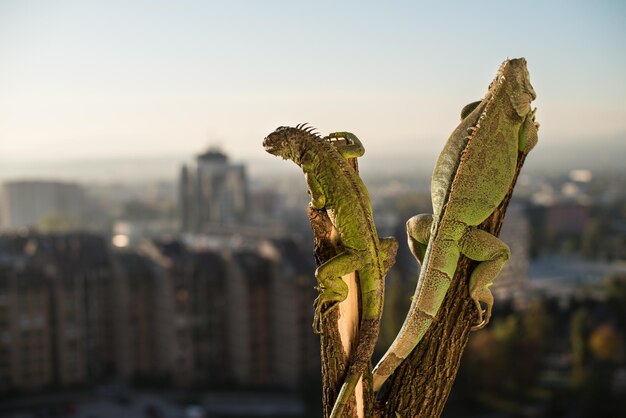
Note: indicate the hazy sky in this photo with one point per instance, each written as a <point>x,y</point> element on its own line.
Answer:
<point>91,79</point>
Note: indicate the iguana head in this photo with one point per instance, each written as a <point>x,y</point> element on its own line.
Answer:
<point>516,80</point>
<point>290,143</point>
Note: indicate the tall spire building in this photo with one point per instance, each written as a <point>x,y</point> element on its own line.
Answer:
<point>213,193</point>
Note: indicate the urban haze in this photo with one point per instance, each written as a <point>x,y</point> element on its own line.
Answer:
<point>156,262</point>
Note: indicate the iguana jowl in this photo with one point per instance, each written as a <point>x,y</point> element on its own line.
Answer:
<point>471,178</point>
<point>335,186</point>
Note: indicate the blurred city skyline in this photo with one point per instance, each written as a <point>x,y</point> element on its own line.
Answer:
<point>88,82</point>
<point>153,258</point>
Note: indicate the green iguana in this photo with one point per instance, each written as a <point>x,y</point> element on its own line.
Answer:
<point>335,186</point>
<point>471,178</point>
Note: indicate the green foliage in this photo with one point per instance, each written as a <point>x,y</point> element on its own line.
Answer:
<point>615,290</point>
<point>579,333</point>
<point>136,210</point>
<point>56,222</point>
<point>503,365</point>
<point>606,344</point>
<point>596,353</point>
<point>538,324</point>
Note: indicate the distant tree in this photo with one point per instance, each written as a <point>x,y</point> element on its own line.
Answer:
<point>56,222</point>
<point>606,344</point>
<point>595,394</point>
<point>493,367</point>
<point>578,339</point>
<point>615,289</point>
<point>136,210</point>
<point>591,237</point>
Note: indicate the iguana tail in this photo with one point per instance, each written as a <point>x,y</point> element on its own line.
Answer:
<point>405,342</point>
<point>347,389</point>
<point>365,347</point>
<point>438,258</point>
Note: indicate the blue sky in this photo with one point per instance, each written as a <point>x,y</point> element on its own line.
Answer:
<point>91,79</point>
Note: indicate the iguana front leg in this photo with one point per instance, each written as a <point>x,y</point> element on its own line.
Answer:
<point>528,136</point>
<point>418,234</point>
<point>315,191</point>
<point>492,253</point>
<point>333,289</point>
<point>353,148</point>
<point>388,249</point>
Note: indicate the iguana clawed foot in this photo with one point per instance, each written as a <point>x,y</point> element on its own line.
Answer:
<point>325,303</point>
<point>481,294</point>
<point>483,315</point>
<point>319,314</point>
<point>350,138</point>
<point>352,148</point>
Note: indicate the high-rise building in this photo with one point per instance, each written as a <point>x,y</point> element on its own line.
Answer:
<point>212,192</point>
<point>29,203</point>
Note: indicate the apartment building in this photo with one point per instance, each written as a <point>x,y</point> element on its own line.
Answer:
<point>72,312</point>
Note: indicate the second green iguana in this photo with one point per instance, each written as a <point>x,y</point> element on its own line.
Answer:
<point>335,186</point>
<point>471,178</point>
